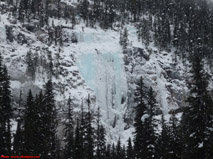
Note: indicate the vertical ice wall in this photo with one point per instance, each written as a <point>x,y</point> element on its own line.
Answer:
<point>104,73</point>
<point>101,66</point>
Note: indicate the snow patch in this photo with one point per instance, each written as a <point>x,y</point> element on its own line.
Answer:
<point>144,117</point>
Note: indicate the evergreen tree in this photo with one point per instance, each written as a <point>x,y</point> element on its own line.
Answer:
<point>130,152</point>
<point>113,152</point>
<point>100,135</point>
<point>29,125</point>
<point>197,117</point>
<point>151,125</point>
<point>174,138</point>
<point>69,134</point>
<point>24,8</point>
<point>163,148</point>
<point>2,120</point>
<point>6,103</point>
<point>89,142</point>
<point>5,110</point>
<point>82,133</point>
<point>123,152</point>
<point>108,154</point>
<point>30,65</point>
<point>118,150</point>
<point>124,40</point>
<point>40,124</point>
<point>18,142</point>
<point>50,122</point>
<point>139,126</point>
<point>84,9</point>
<point>78,143</point>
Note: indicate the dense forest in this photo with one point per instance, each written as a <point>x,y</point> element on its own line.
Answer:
<point>183,25</point>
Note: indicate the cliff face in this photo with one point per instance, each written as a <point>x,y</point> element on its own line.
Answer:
<point>91,61</point>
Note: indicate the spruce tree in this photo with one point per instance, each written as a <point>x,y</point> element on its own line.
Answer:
<point>108,153</point>
<point>139,137</point>
<point>118,150</point>
<point>84,9</point>
<point>82,133</point>
<point>78,143</point>
<point>89,142</point>
<point>130,152</point>
<point>39,145</point>
<point>50,122</point>
<point>2,120</point>
<point>197,117</point>
<point>69,134</point>
<point>100,138</point>
<point>163,148</point>
<point>6,102</point>
<point>18,142</point>
<point>5,110</point>
<point>29,125</point>
<point>124,40</point>
<point>113,152</point>
<point>151,125</point>
<point>175,146</point>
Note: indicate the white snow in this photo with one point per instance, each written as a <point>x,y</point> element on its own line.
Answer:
<point>144,117</point>
<point>200,145</point>
<point>2,33</point>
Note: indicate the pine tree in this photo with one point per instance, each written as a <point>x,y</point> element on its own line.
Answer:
<point>5,110</point>
<point>24,7</point>
<point>197,117</point>
<point>89,142</point>
<point>82,133</point>
<point>39,145</point>
<point>18,143</point>
<point>50,125</point>
<point>84,9</point>
<point>174,138</point>
<point>30,64</point>
<point>163,141</point>
<point>29,125</point>
<point>130,152</point>
<point>139,137</point>
<point>124,40</point>
<point>78,143</point>
<point>118,150</point>
<point>113,152</point>
<point>69,134</point>
<point>2,120</point>
<point>123,152</point>
<point>108,152</point>
<point>151,125</point>
<point>6,102</point>
<point>100,135</point>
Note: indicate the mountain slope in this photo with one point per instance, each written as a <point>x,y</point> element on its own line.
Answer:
<point>91,61</point>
